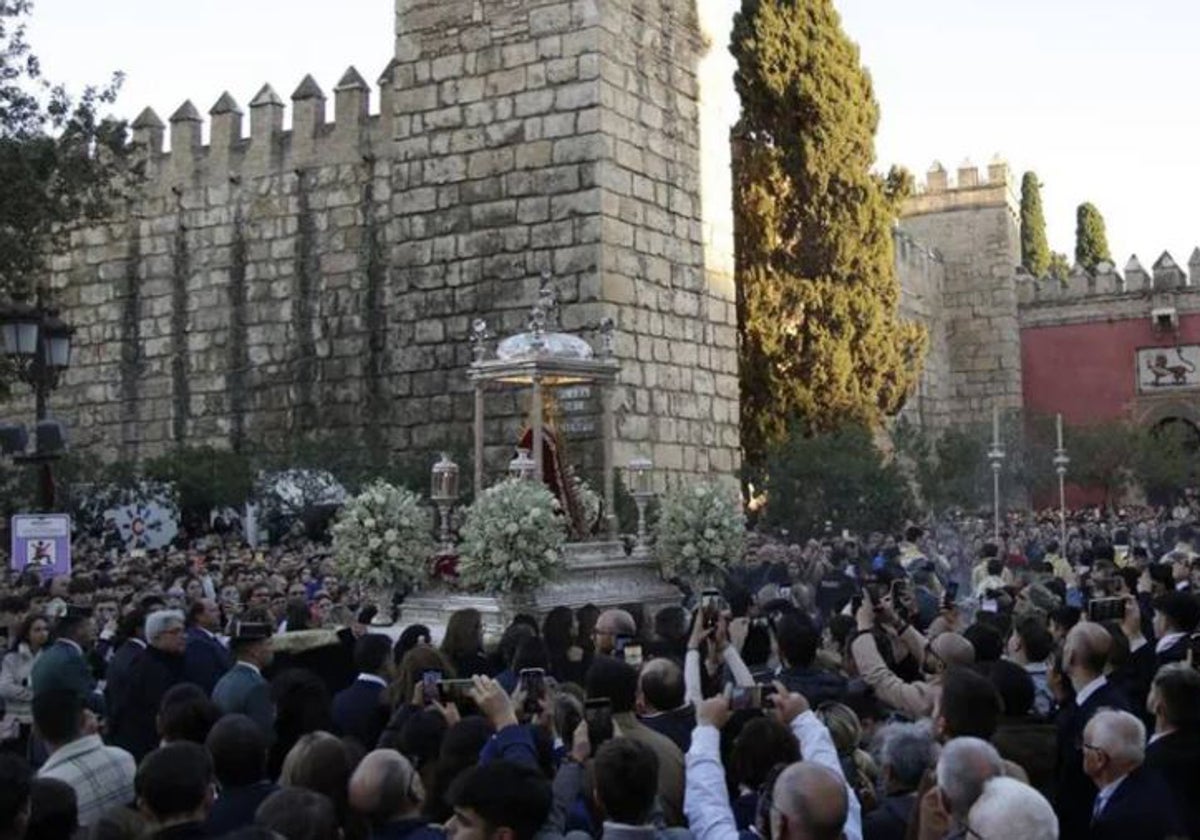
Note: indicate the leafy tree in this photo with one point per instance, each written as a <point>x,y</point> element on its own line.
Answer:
<point>1104,455</point>
<point>1060,266</point>
<point>61,162</point>
<point>1035,249</point>
<point>1091,240</point>
<point>1166,461</point>
<point>206,479</point>
<point>822,343</point>
<point>839,477</point>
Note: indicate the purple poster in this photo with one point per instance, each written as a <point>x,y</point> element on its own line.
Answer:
<point>42,542</point>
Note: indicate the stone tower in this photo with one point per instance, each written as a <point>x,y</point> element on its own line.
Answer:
<point>276,285</point>
<point>974,225</point>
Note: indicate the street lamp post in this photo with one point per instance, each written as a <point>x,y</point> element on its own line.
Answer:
<point>37,345</point>
<point>1061,462</point>
<point>995,456</point>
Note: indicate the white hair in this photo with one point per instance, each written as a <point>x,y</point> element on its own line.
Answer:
<point>1119,734</point>
<point>962,769</point>
<point>1008,808</point>
<point>161,620</point>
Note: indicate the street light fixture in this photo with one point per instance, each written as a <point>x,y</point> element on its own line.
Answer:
<point>37,345</point>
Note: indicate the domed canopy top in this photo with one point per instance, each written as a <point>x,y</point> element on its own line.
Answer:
<point>555,345</point>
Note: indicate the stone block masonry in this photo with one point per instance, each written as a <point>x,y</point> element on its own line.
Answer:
<point>321,281</point>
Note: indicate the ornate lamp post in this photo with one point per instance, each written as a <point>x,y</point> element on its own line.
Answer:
<point>444,493</point>
<point>640,470</point>
<point>1061,462</point>
<point>995,456</point>
<point>37,346</point>
<point>522,466</point>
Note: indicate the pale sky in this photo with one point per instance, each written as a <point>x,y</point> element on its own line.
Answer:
<point>1097,96</point>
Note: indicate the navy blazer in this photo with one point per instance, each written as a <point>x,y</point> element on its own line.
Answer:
<point>1176,757</point>
<point>1075,791</point>
<point>1141,807</point>
<point>205,660</point>
<point>235,807</point>
<point>359,712</point>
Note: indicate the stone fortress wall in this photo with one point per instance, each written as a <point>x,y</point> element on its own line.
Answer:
<point>278,285</point>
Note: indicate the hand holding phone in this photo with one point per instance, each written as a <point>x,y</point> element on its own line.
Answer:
<point>532,681</point>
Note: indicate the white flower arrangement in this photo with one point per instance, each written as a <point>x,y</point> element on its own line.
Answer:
<point>701,529</point>
<point>591,503</point>
<point>383,538</point>
<point>512,538</point>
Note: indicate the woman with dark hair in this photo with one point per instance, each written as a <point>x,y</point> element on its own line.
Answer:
<point>463,643</point>
<point>27,645</point>
<point>302,705</point>
<point>320,762</point>
<point>409,674</point>
<point>506,652</point>
<point>585,619</point>
<point>561,635</point>
<point>410,637</point>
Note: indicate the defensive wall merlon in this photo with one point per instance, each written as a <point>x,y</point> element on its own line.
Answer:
<point>353,134</point>
<point>1165,276</point>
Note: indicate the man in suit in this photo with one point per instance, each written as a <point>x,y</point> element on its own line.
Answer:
<point>239,754</point>
<point>1174,748</point>
<point>63,665</point>
<point>206,660</point>
<point>359,711</point>
<point>160,667</point>
<point>1132,800</point>
<point>243,690</point>
<point>131,627</point>
<point>1176,615</point>
<point>1085,656</point>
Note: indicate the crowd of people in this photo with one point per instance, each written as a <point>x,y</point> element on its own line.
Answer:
<point>946,682</point>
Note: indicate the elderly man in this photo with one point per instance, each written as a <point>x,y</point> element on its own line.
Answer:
<point>1084,658</point>
<point>661,704</point>
<point>1007,809</point>
<point>963,768</point>
<point>243,690</point>
<point>613,628</point>
<point>386,790</point>
<point>154,672</point>
<point>907,751</point>
<point>1132,801</point>
<point>916,699</point>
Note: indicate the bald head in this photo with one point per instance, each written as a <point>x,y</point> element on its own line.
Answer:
<point>660,686</point>
<point>1085,652</point>
<point>810,803</point>
<point>609,625</point>
<point>953,649</point>
<point>385,787</point>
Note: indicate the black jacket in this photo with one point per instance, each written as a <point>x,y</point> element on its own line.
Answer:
<point>117,676</point>
<point>816,684</point>
<point>676,724</point>
<point>1141,807</point>
<point>205,660</point>
<point>135,729</point>
<point>890,820</point>
<point>1176,758</point>
<point>235,807</point>
<point>359,712</point>
<point>1075,791</point>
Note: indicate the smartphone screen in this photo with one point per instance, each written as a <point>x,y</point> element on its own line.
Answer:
<point>990,605</point>
<point>454,691</point>
<point>1106,609</point>
<point>429,685</point>
<point>533,682</point>
<point>710,604</point>
<point>632,654</point>
<point>597,712</point>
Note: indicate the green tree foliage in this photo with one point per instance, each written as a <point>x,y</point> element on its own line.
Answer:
<point>61,162</point>
<point>1166,461</point>
<point>822,343</point>
<point>1091,239</point>
<point>1060,266</point>
<point>1104,456</point>
<point>207,479</point>
<point>838,477</point>
<point>1035,249</point>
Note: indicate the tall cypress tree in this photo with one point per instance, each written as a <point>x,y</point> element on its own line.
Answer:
<point>1091,239</point>
<point>1035,249</point>
<point>822,342</point>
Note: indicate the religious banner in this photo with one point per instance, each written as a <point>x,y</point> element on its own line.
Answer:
<point>42,542</point>
<point>1168,368</point>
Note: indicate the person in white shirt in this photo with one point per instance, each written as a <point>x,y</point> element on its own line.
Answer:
<point>810,799</point>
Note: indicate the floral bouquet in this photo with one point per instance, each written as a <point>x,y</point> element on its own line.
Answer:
<point>382,538</point>
<point>512,538</point>
<point>701,530</point>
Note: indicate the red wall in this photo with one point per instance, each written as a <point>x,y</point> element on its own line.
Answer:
<point>1086,371</point>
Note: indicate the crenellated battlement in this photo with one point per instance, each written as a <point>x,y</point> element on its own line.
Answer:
<point>1165,276</point>
<point>970,189</point>
<point>352,134</point>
